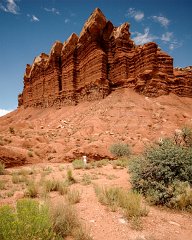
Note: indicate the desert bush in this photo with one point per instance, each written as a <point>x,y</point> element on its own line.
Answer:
<point>187,135</point>
<point>55,185</point>
<point>78,164</point>
<point>10,193</point>
<point>2,168</point>
<point>70,179</point>
<point>182,196</point>
<point>155,173</point>
<point>47,170</point>
<point>64,219</point>
<point>120,150</point>
<point>73,196</point>
<point>30,153</point>
<point>108,196</point>
<point>121,162</point>
<point>86,179</point>
<point>80,233</point>
<point>128,200</point>
<point>62,188</point>
<point>32,190</point>
<point>12,130</point>
<point>16,178</point>
<point>100,163</point>
<point>66,223</point>
<point>29,221</point>
<point>131,202</point>
<point>2,184</point>
<point>51,185</point>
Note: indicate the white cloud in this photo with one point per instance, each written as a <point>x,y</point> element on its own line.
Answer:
<point>137,15</point>
<point>33,18</point>
<point>167,37</point>
<point>162,20</point>
<point>67,20</point>
<point>142,38</point>
<point>3,112</point>
<point>10,6</point>
<point>52,10</point>
<point>175,44</point>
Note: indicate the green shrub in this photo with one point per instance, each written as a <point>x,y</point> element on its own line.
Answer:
<point>31,220</point>
<point>120,150</point>
<point>2,168</point>
<point>78,164</point>
<point>160,166</point>
<point>28,221</point>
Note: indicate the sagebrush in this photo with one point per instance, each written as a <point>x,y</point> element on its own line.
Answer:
<point>120,150</point>
<point>157,171</point>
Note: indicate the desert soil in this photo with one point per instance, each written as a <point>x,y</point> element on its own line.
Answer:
<point>52,137</point>
<point>100,221</point>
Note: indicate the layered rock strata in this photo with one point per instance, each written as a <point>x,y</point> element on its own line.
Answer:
<point>101,59</point>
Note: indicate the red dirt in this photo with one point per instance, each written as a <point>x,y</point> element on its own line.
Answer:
<point>55,136</point>
<point>100,221</point>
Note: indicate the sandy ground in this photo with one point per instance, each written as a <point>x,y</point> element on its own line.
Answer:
<point>101,222</point>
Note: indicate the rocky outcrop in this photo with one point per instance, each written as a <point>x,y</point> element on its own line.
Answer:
<point>11,158</point>
<point>182,84</point>
<point>101,59</point>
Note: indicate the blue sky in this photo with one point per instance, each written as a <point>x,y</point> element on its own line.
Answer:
<point>29,27</point>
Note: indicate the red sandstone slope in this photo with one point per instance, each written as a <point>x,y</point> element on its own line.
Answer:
<point>101,59</point>
<point>91,127</point>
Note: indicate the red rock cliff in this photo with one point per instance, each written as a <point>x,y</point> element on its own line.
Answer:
<point>101,59</point>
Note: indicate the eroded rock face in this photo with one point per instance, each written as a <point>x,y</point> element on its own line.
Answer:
<point>182,84</point>
<point>11,158</point>
<point>101,59</point>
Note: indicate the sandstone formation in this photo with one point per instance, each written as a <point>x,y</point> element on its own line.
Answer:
<point>11,158</point>
<point>100,60</point>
